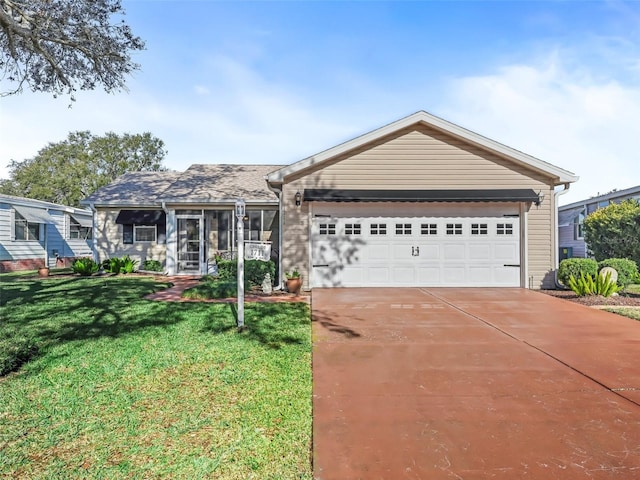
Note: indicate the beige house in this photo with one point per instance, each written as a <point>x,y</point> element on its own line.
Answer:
<point>419,202</point>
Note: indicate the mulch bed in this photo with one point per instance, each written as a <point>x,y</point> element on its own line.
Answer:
<point>620,300</point>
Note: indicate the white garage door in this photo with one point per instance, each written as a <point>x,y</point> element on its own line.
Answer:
<point>415,251</point>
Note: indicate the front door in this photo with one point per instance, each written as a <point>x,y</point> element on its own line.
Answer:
<point>189,245</point>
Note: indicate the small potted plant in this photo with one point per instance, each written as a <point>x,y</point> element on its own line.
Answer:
<point>294,281</point>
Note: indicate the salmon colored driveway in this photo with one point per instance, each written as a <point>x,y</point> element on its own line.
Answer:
<point>472,384</point>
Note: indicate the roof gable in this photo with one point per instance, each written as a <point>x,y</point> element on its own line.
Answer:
<point>421,117</point>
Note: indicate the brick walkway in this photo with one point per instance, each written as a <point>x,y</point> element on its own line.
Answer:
<point>181,283</point>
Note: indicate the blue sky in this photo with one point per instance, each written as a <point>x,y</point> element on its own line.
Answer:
<point>274,82</point>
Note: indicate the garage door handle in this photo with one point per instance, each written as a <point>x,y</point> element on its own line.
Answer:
<point>321,265</point>
<point>510,265</point>
<point>415,251</point>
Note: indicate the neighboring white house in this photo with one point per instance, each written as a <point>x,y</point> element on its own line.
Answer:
<point>35,233</point>
<point>571,219</point>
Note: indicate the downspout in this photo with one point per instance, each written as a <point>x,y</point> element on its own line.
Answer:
<point>94,214</point>
<point>278,192</point>
<point>556,249</point>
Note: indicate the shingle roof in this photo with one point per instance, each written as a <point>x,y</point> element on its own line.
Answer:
<point>137,188</point>
<point>219,183</point>
<point>198,184</point>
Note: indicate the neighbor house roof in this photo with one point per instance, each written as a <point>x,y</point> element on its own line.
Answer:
<point>31,202</point>
<point>198,184</point>
<point>561,176</point>
<point>631,192</point>
<point>221,184</point>
<point>136,188</point>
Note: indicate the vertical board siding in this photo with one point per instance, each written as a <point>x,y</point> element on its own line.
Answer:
<point>420,158</point>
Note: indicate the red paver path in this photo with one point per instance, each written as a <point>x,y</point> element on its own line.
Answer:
<point>472,384</point>
<point>181,283</point>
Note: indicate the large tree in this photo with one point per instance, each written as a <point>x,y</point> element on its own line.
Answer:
<point>614,231</point>
<point>67,171</point>
<point>60,46</point>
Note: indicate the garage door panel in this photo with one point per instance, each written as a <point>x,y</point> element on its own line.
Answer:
<point>415,251</point>
<point>480,251</point>
<point>454,251</point>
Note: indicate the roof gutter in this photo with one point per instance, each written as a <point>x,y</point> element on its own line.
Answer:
<point>556,249</point>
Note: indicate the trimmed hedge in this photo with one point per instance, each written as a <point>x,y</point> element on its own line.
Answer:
<point>576,267</point>
<point>627,269</point>
<point>254,271</point>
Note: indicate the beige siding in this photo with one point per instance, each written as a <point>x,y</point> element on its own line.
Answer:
<point>108,238</point>
<point>420,158</point>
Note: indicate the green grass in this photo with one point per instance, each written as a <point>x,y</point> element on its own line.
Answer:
<point>625,311</point>
<point>212,289</point>
<point>127,388</point>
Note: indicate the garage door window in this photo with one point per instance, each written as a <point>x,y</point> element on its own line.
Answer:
<point>327,229</point>
<point>429,229</point>
<point>454,229</point>
<point>378,229</point>
<point>352,229</point>
<point>504,228</point>
<point>403,229</point>
<point>479,229</point>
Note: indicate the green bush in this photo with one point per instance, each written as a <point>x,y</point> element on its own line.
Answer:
<point>627,269</point>
<point>588,285</point>
<point>254,270</point>
<point>208,290</point>
<point>117,265</point>
<point>15,350</point>
<point>84,266</point>
<point>576,266</point>
<point>152,265</point>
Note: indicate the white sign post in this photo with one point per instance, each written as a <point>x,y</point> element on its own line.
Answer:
<point>240,216</point>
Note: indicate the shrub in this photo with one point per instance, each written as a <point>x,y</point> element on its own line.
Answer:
<point>117,265</point>
<point>254,270</point>
<point>84,266</point>
<point>15,350</point>
<point>613,231</point>
<point>128,265</point>
<point>587,285</point>
<point>152,265</point>
<point>207,290</point>
<point>627,269</point>
<point>576,266</point>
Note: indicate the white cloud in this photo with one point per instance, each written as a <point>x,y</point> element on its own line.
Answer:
<point>586,126</point>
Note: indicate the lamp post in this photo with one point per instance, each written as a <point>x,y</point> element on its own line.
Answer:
<point>240,209</point>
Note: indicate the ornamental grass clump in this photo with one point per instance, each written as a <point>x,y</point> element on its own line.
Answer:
<point>588,285</point>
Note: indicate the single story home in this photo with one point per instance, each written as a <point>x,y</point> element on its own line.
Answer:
<point>571,219</point>
<point>35,233</point>
<point>418,202</point>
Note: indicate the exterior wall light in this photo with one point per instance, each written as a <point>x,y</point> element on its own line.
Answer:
<point>298,199</point>
<point>540,198</point>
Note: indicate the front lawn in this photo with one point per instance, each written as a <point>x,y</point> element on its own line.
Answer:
<point>625,311</point>
<point>122,387</point>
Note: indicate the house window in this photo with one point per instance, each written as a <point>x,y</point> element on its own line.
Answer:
<point>454,229</point>
<point>144,233</point>
<point>429,229</point>
<point>578,227</point>
<point>479,229</point>
<point>403,229</point>
<point>25,230</point>
<point>78,232</point>
<point>352,229</point>
<point>378,229</point>
<point>504,229</point>
<point>327,229</point>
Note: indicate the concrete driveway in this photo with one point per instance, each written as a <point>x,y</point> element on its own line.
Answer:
<point>472,384</point>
